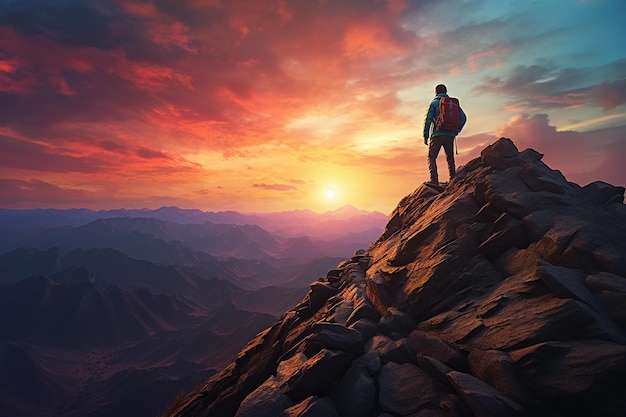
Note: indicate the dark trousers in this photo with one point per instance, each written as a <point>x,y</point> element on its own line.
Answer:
<point>436,142</point>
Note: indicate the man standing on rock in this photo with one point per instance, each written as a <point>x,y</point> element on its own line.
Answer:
<point>443,131</point>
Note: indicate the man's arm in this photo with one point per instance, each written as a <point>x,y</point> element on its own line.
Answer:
<point>428,120</point>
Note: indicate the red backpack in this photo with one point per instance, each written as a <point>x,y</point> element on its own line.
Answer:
<point>449,114</point>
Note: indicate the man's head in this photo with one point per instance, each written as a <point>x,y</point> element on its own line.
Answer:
<point>441,89</point>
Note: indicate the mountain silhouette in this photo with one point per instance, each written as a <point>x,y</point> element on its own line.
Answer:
<point>17,224</point>
<point>500,294</point>
<point>85,315</point>
<point>162,241</point>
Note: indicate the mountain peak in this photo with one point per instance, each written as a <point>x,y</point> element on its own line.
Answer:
<point>500,294</point>
<point>347,211</point>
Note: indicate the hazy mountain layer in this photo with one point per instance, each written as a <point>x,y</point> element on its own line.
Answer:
<point>325,226</point>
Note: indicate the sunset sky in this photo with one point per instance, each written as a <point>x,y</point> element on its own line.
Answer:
<point>274,105</point>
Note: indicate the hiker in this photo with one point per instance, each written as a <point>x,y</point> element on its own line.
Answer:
<point>442,134</point>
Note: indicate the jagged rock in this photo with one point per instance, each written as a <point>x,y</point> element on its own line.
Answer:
<point>581,378</point>
<point>366,327</point>
<point>405,389</point>
<point>265,401</point>
<point>333,336</point>
<point>355,394</point>
<point>610,291</point>
<point>362,310</point>
<point>342,311</point>
<point>501,155</point>
<point>506,287</point>
<point>604,193</point>
<point>425,344</point>
<point>395,321</point>
<point>482,399</point>
<point>514,261</point>
<point>498,370</point>
<point>312,407</point>
<point>509,232</point>
<point>312,379</point>
<point>391,350</point>
<point>437,370</point>
<point>319,293</point>
<point>379,293</point>
<point>289,367</point>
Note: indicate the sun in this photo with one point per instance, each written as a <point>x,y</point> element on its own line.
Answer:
<point>330,194</point>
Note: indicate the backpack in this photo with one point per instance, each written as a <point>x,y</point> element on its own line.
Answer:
<point>449,114</point>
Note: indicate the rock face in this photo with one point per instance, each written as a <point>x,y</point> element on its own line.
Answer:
<point>503,294</point>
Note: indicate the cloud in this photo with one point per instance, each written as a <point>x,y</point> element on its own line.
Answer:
<point>275,187</point>
<point>583,157</point>
<point>36,193</point>
<point>158,92</point>
<point>151,154</point>
<point>536,87</point>
<point>610,94</point>
<point>37,156</point>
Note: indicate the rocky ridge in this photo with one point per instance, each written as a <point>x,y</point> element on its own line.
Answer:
<point>501,294</point>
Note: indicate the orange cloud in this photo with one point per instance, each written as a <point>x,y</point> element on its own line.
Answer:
<point>275,187</point>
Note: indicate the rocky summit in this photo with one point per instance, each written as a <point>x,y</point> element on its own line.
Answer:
<point>500,294</point>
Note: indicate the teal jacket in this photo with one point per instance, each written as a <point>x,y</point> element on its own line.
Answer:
<point>432,113</point>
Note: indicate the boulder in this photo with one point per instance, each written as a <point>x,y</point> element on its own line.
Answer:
<point>391,350</point>
<point>312,379</point>
<point>610,291</point>
<point>265,401</point>
<point>603,193</point>
<point>312,407</point>
<point>362,310</point>
<point>289,367</point>
<point>366,327</point>
<point>355,393</point>
<point>425,344</point>
<point>498,370</point>
<point>319,293</point>
<point>482,399</point>
<point>577,377</point>
<point>405,389</point>
<point>396,321</point>
<point>333,336</point>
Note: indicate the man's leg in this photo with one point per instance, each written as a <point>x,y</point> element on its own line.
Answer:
<point>448,147</point>
<point>433,151</point>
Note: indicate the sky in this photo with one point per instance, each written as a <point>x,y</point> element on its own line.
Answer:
<point>277,105</point>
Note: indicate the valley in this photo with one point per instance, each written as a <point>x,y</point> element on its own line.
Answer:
<point>116,316</point>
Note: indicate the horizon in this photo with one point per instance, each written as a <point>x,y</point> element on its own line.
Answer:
<point>217,105</point>
<point>338,209</point>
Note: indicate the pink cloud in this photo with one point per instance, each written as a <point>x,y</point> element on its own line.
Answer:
<point>583,157</point>
<point>610,94</point>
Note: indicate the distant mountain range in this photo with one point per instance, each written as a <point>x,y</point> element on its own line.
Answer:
<point>115,312</point>
<point>328,225</point>
<point>336,234</point>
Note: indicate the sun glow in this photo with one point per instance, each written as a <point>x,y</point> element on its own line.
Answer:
<point>330,194</point>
